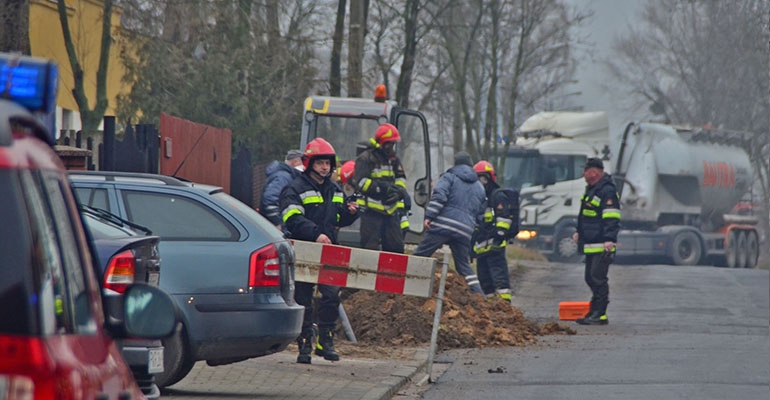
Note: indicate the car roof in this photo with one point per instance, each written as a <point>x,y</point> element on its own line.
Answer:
<point>143,179</point>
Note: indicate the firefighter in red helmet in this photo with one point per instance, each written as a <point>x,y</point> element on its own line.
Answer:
<point>497,228</point>
<point>313,207</point>
<point>380,179</point>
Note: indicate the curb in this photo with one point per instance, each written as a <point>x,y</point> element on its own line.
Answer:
<point>388,387</point>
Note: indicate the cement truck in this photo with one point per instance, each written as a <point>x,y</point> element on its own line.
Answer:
<point>677,187</point>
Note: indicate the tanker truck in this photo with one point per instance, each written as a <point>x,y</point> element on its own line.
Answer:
<point>677,187</point>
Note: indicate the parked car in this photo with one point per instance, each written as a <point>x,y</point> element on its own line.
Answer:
<point>230,271</point>
<point>55,341</point>
<point>127,255</point>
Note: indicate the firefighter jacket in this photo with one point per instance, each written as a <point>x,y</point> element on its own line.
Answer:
<point>379,179</point>
<point>279,174</point>
<point>498,223</point>
<point>456,202</point>
<point>310,209</point>
<point>599,216</point>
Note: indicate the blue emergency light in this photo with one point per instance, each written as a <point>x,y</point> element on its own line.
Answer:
<point>29,81</point>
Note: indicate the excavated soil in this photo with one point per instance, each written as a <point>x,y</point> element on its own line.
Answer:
<point>384,321</point>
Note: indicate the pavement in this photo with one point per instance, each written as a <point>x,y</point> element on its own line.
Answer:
<point>278,376</point>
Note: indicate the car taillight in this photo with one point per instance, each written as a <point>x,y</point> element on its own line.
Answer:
<point>265,267</point>
<point>34,373</point>
<point>120,271</point>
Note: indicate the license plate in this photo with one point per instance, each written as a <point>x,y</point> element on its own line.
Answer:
<point>155,362</point>
<point>153,278</point>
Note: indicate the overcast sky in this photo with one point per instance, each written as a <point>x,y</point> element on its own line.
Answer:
<point>611,17</point>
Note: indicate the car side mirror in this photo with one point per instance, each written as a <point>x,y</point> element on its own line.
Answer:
<point>149,312</point>
<point>421,192</point>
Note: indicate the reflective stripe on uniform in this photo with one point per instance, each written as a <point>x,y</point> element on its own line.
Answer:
<point>311,197</point>
<point>401,182</point>
<point>611,213</point>
<point>590,213</point>
<point>593,248</point>
<point>364,184</point>
<point>291,211</point>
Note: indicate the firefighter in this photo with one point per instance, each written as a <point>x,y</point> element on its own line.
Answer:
<point>455,204</point>
<point>279,174</point>
<point>379,177</point>
<point>498,225</point>
<point>597,233</point>
<point>313,207</point>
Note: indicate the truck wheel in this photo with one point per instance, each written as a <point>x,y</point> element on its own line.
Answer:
<point>565,249</point>
<point>742,253</point>
<point>752,244</point>
<point>687,249</point>
<point>731,250</point>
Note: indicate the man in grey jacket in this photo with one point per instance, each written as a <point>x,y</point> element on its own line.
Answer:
<point>450,218</point>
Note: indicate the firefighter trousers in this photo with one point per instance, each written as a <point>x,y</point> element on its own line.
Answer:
<point>596,276</point>
<point>328,306</point>
<point>492,269</point>
<point>379,229</point>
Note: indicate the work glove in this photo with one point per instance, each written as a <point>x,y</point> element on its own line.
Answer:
<point>394,194</point>
<point>499,237</point>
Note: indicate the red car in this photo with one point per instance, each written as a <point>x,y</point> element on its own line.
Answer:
<point>55,341</point>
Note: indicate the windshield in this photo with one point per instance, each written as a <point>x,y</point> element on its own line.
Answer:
<point>528,169</point>
<point>346,134</point>
<point>101,229</point>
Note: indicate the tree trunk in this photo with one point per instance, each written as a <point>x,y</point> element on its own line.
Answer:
<point>355,48</point>
<point>89,118</point>
<point>14,26</point>
<point>335,75</point>
<point>410,49</point>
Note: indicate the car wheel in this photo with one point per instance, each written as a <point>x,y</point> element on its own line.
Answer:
<point>731,250</point>
<point>686,249</point>
<point>177,360</point>
<point>565,249</point>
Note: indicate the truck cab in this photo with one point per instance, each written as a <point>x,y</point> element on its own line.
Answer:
<point>546,166</point>
<point>349,123</point>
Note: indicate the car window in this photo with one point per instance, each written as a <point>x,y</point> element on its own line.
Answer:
<point>96,198</point>
<point>101,229</point>
<point>175,217</point>
<point>251,215</point>
<point>72,250</point>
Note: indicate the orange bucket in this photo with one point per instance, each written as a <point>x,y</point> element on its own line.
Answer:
<point>572,310</point>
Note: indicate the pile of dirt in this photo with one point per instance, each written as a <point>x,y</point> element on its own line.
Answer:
<point>467,320</point>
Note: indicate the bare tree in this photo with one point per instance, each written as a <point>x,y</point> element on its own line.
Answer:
<point>90,118</point>
<point>335,76</point>
<point>356,34</point>
<point>14,26</point>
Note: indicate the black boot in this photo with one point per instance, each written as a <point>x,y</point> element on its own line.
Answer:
<point>594,318</point>
<point>305,344</point>
<point>325,345</point>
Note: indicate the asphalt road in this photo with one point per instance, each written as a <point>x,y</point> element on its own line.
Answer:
<point>674,333</point>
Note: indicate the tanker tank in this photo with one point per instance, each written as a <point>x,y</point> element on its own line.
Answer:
<point>683,177</point>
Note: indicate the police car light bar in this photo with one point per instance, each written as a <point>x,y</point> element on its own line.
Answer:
<point>29,81</point>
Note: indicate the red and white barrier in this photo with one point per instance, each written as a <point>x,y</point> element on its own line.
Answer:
<point>363,269</point>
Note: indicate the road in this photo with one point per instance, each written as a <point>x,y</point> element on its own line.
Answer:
<point>675,333</point>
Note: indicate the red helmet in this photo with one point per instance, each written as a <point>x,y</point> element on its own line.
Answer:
<point>484,167</point>
<point>318,147</point>
<point>386,133</point>
<point>346,171</point>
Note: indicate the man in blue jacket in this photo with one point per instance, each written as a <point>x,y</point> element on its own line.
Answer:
<point>456,202</point>
<point>279,174</point>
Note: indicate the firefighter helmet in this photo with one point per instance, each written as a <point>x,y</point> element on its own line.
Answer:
<point>484,167</point>
<point>346,171</point>
<point>386,133</point>
<point>318,148</point>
